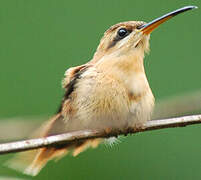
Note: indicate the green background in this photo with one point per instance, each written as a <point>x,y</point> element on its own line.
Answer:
<point>40,39</point>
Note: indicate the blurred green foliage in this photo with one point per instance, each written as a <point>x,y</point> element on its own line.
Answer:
<point>39,40</point>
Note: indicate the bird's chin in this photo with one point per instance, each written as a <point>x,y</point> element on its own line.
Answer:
<point>143,44</point>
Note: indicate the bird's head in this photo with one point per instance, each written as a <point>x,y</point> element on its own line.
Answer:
<point>124,37</point>
<point>131,37</point>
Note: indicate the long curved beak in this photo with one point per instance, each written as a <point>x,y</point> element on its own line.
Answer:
<point>149,27</point>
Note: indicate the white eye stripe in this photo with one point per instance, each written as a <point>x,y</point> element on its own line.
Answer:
<point>122,42</point>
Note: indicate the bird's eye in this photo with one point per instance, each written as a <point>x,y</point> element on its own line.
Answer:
<point>122,32</point>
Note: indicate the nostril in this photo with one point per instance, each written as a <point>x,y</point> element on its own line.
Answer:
<point>140,26</point>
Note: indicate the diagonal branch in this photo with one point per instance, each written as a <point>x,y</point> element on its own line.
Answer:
<point>87,134</point>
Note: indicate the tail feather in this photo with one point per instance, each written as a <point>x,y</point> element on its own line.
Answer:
<point>43,156</point>
<point>31,162</point>
<point>86,144</point>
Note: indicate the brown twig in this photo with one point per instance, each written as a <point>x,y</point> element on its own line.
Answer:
<point>87,134</point>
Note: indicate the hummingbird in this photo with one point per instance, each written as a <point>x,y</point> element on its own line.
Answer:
<point>111,91</point>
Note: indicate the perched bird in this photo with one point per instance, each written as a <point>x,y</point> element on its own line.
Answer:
<point>109,92</point>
